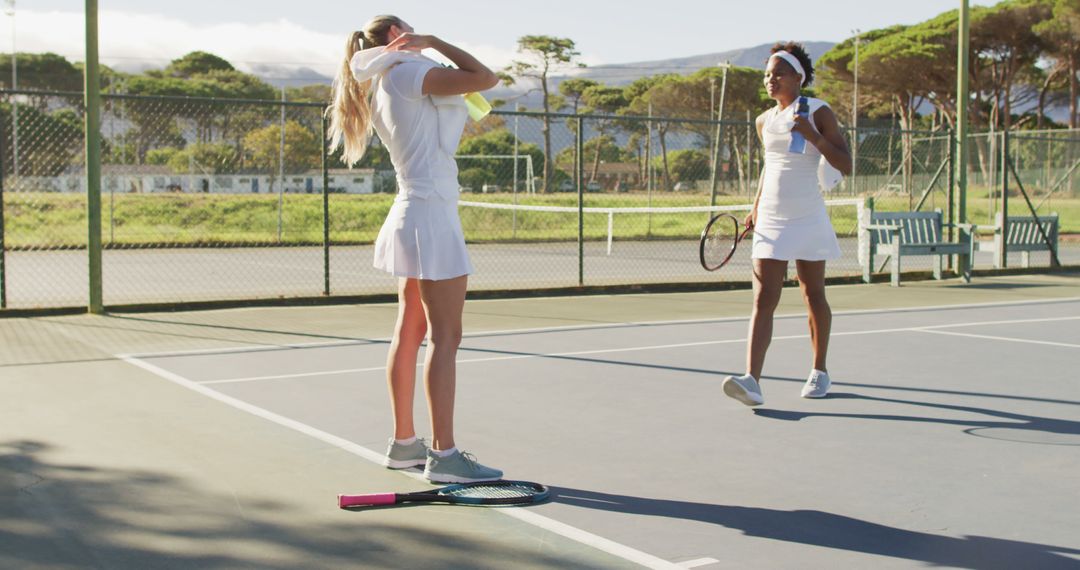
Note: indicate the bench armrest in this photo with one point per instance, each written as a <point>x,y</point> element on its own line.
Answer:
<point>969,227</point>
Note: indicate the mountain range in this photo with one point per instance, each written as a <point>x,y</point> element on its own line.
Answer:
<point>612,74</point>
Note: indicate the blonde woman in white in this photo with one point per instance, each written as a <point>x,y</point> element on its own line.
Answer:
<point>789,217</point>
<point>416,107</point>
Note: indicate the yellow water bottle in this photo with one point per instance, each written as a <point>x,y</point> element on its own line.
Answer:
<point>478,106</point>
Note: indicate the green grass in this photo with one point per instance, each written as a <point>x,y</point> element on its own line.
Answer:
<point>46,220</point>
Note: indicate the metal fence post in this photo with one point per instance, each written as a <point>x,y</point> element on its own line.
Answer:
<point>326,209</point>
<point>580,174</point>
<point>93,158</point>
<point>1003,251</point>
<point>3,244</point>
<point>950,211</point>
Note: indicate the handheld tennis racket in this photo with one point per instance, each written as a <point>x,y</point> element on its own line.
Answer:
<point>486,493</point>
<point>719,239</point>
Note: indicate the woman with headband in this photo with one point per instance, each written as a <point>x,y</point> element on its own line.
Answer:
<point>416,107</point>
<point>789,217</point>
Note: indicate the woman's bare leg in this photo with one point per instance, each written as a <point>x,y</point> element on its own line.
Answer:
<point>768,284</point>
<point>444,302</point>
<point>812,283</point>
<point>401,361</point>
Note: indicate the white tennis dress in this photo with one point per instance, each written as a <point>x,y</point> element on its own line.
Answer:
<point>792,222</point>
<point>421,237</point>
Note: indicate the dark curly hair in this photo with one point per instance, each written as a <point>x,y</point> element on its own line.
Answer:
<point>797,50</point>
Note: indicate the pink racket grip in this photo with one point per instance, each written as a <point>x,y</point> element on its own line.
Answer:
<point>372,500</point>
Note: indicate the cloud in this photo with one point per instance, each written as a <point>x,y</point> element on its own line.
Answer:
<point>129,40</point>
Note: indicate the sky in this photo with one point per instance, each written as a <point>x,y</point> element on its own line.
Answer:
<point>311,34</point>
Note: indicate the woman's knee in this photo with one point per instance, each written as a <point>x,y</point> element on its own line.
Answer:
<point>445,336</point>
<point>815,298</point>
<point>766,298</point>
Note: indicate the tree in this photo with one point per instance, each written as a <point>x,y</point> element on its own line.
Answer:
<point>42,71</point>
<point>49,143</point>
<point>605,101</point>
<point>666,100</point>
<point>206,158</point>
<point>1060,35</point>
<point>603,147</point>
<point>1005,38</point>
<point>574,89</point>
<point>303,148</point>
<point>196,63</point>
<point>494,143</point>
<point>835,77</point>
<point>689,165</point>
<point>544,55</point>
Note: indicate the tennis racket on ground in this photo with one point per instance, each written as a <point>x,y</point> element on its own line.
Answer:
<point>719,239</point>
<point>486,493</point>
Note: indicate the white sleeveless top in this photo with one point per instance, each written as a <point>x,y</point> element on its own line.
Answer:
<point>790,187</point>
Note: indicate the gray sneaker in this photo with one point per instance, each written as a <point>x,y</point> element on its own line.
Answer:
<point>458,468</point>
<point>817,385</point>
<point>400,456</point>
<point>744,389</point>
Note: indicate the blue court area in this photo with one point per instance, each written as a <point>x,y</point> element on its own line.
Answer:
<point>950,439</point>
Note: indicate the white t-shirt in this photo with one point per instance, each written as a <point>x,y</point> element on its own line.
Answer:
<point>420,131</point>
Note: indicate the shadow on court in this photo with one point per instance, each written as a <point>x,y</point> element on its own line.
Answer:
<point>829,530</point>
<point>67,515</point>
<point>1021,422</point>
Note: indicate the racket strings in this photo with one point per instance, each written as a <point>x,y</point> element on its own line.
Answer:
<point>496,491</point>
<point>719,241</point>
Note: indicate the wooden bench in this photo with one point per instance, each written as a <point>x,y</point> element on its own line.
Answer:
<point>1022,234</point>
<point>899,234</point>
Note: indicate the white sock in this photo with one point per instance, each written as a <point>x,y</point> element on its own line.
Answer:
<point>819,372</point>
<point>408,441</point>
<point>444,452</point>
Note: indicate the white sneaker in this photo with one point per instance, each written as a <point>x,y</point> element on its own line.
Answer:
<point>817,385</point>
<point>744,389</point>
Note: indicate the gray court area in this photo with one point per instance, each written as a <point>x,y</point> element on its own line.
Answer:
<point>949,439</point>
<point>59,278</point>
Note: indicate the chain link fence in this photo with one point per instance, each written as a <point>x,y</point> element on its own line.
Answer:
<point>216,200</point>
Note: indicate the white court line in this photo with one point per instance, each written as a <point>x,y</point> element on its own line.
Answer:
<point>481,334</point>
<point>699,562</point>
<point>290,376</point>
<point>928,329</point>
<point>1008,339</point>
<point>562,529</point>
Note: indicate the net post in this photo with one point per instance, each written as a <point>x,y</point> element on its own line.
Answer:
<point>610,229</point>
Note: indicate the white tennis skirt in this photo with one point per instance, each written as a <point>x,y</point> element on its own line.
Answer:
<point>809,238</point>
<point>422,239</point>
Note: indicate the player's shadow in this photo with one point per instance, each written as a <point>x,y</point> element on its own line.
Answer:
<point>1005,420</point>
<point>840,532</point>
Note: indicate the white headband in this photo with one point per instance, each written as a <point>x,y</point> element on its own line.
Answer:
<point>791,60</point>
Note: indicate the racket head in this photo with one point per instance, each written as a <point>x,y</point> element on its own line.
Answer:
<point>500,492</point>
<point>718,241</point>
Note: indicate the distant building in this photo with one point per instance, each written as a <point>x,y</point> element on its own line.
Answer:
<point>149,179</point>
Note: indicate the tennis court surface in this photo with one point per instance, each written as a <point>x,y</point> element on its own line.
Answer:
<point>220,439</point>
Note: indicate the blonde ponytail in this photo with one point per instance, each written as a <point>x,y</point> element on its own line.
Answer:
<point>350,109</point>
